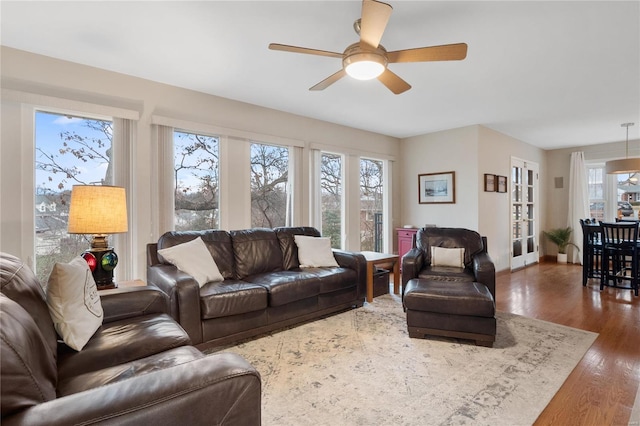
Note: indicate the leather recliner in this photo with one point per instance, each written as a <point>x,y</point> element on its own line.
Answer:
<point>138,368</point>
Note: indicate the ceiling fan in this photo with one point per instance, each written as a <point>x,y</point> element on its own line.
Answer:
<point>368,59</point>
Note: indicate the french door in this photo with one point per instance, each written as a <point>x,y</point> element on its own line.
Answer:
<point>524,213</point>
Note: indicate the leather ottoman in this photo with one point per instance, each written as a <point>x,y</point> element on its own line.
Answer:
<point>464,310</point>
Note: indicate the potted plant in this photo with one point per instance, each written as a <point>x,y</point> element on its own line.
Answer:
<point>561,237</point>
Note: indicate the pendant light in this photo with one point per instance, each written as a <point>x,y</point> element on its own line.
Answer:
<point>627,165</point>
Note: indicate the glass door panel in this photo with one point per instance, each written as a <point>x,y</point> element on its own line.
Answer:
<point>524,181</point>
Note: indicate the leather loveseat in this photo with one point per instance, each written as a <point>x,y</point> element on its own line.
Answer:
<point>138,368</point>
<point>264,287</point>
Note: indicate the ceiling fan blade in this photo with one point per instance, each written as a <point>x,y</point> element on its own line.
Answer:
<point>446,52</point>
<point>329,80</point>
<point>375,16</point>
<point>393,82</point>
<point>295,49</point>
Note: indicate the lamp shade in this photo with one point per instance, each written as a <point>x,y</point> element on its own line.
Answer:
<point>626,165</point>
<point>98,209</point>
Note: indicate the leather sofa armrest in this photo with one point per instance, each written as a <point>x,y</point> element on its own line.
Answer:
<point>485,271</point>
<point>358,263</point>
<point>184,297</point>
<point>412,263</point>
<point>128,302</point>
<point>217,389</point>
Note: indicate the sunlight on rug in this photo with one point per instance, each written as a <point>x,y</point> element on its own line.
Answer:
<point>361,368</point>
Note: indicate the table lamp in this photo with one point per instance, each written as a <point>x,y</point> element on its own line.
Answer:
<point>99,210</point>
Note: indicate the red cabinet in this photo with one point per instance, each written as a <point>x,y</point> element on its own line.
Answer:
<point>405,240</point>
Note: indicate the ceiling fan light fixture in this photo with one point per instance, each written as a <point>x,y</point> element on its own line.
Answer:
<point>626,165</point>
<point>364,65</point>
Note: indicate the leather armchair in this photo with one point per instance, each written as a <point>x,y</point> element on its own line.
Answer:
<point>138,368</point>
<point>450,301</point>
<point>478,266</point>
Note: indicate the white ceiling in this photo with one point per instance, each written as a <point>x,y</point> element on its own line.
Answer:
<point>552,74</point>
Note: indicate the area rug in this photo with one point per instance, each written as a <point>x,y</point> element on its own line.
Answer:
<point>361,368</point>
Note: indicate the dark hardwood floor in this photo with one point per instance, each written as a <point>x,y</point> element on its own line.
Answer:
<point>602,388</point>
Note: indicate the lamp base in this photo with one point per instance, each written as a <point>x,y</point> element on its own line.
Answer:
<point>102,262</point>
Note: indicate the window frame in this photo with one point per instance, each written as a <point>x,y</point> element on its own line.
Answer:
<point>290,213</point>
<point>173,189</point>
<point>343,195</point>
<point>385,209</point>
<point>29,103</point>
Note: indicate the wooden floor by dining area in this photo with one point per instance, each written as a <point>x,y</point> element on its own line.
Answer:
<point>602,388</point>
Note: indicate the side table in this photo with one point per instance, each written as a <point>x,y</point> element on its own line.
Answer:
<point>123,284</point>
<point>406,238</point>
<point>131,283</point>
<point>373,258</point>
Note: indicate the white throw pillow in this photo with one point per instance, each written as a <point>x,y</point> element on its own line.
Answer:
<point>441,256</point>
<point>314,252</point>
<point>74,303</point>
<point>193,258</point>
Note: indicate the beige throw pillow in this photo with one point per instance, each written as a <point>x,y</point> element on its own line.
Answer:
<point>314,252</point>
<point>193,258</point>
<point>74,303</point>
<point>441,256</point>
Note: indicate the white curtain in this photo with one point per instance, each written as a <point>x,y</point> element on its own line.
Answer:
<point>165,177</point>
<point>578,203</point>
<point>123,151</point>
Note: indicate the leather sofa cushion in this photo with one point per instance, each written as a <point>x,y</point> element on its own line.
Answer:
<point>218,243</point>
<point>122,341</point>
<point>446,273</point>
<point>256,251</point>
<point>231,297</point>
<point>27,364</point>
<point>288,245</point>
<point>288,286</point>
<point>19,284</point>
<point>460,298</point>
<point>333,279</point>
<point>125,371</point>
<point>470,240</point>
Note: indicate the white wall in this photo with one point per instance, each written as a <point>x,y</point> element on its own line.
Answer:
<point>451,150</point>
<point>495,153</point>
<point>558,161</point>
<point>471,152</point>
<point>34,74</point>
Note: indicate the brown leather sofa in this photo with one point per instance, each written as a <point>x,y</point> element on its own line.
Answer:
<point>451,301</point>
<point>264,287</point>
<point>138,368</point>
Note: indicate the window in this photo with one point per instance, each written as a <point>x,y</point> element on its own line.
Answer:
<point>70,151</point>
<point>371,205</point>
<point>196,166</point>
<point>596,184</point>
<point>331,197</point>
<point>270,190</point>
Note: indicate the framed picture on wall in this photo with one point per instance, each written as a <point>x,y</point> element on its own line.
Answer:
<point>436,188</point>
<point>502,183</point>
<point>489,183</point>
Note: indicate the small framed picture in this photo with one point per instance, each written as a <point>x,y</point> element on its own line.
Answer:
<point>435,188</point>
<point>502,184</point>
<point>489,183</point>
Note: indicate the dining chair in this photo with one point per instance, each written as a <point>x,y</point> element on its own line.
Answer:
<point>620,255</point>
<point>591,250</point>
